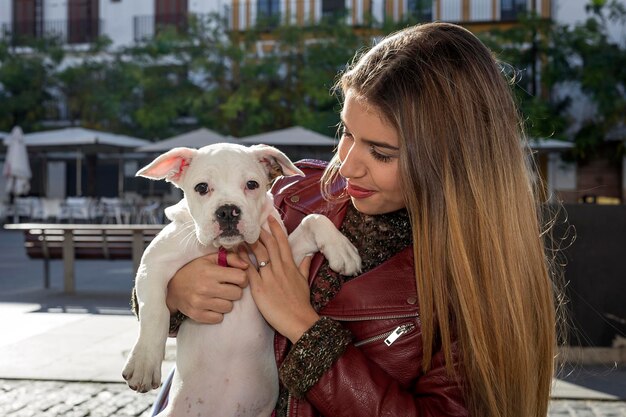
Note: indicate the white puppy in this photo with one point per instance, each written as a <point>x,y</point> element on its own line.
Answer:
<point>229,368</point>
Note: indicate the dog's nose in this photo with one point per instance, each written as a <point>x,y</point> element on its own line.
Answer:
<point>228,214</point>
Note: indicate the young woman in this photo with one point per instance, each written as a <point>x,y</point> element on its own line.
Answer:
<point>453,313</point>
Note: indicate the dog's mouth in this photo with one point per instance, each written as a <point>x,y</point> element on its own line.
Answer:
<point>230,233</point>
<point>229,239</point>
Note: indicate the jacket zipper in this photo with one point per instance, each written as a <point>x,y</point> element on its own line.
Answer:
<point>396,316</point>
<point>390,337</point>
<point>399,331</point>
<point>289,404</point>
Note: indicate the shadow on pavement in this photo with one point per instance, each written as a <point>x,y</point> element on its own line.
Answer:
<point>84,302</point>
<point>608,379</point>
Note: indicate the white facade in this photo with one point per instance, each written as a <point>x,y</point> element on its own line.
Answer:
<point>571,12</point>
<point>119,18</point>
<point>6,12</point>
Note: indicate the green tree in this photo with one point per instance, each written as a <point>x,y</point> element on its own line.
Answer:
<point>259,82</point>
<point>329,49</point>
<point>26,82</point>
<point>97,89</point>
<point>521,50</point>
<point>164,88</point>
<point>598,65</point>
<point>565,59</point>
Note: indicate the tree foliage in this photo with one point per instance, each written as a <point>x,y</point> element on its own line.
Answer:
<point>242,83</point>
<point>25,80</point>
<point>572,64</point>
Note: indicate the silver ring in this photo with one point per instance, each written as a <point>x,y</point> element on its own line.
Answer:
<point>263,263</point>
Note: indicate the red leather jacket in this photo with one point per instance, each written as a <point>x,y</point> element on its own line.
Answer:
<point>371,378</point>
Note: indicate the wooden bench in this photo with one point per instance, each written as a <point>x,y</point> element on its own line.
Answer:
<point>84,241</point>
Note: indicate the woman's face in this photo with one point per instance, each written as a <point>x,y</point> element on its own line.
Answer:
<point>369,152</point>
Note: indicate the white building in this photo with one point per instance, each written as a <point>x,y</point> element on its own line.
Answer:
<point>80,21</point>
<point>126,21</point>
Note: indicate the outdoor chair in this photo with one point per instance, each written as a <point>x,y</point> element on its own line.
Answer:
<point>22,207</point>
<point>114,211</point>
<point>77,210</point>
<point>150,214</point>
<point>46,209</point>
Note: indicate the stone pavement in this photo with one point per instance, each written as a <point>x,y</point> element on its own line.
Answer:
<point>27,398</point>
<point>62,355</point>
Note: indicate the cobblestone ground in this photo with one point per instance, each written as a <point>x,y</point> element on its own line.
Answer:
<point>20,398</point>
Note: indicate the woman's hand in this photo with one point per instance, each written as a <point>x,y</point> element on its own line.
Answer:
<point>205,291</point>
<point>280,288</point>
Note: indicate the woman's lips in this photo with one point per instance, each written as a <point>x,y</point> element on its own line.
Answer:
<point>358,192</point>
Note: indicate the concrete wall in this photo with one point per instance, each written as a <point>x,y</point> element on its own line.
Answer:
<point>594,272</point>
<point>6,12</point>
<point>118,18</point>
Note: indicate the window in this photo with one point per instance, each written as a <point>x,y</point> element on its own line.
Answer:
<point>510,9</point>
<point>333,8</point>
<point>170,13</point>
<point>83,21</point>
<point>422,10</point>
<point>26,19</point>
<point>268,13</point>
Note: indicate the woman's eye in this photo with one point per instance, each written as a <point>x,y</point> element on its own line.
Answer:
<point>202,188</point>
<point>343,131</point>
<point>252,185</point>
<point>379,156</point>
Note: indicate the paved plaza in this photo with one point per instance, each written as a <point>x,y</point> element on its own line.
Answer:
<point>27,398</point>
<point>62,355</point>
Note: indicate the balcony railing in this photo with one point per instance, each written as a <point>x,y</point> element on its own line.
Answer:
<point>512,9</point>
<point>145,27</point>
<point>73,31</point>
<point>482,11</point>
<point>422,10</point>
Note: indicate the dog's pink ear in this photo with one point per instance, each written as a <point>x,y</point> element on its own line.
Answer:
<point>171,165</point>
<point>276,163</point>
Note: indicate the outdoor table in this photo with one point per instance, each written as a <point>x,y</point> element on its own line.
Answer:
<point>137,231</point>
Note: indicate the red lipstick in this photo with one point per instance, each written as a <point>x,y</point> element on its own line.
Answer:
<point>358,192</point>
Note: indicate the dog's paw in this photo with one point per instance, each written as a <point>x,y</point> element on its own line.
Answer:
<point>142,371</point>
<point>342,256</point>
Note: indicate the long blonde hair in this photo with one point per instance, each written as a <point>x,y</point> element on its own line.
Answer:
<point>482,274</point>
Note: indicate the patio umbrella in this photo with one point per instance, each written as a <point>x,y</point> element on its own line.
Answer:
<point>194,139</point>
<point>16,165</point>
<point>82,142</point>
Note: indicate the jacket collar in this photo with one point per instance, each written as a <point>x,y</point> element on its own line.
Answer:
<point>386,291</point>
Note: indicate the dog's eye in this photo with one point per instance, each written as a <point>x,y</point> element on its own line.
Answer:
<point>202,188</point>
<point>252,185</point>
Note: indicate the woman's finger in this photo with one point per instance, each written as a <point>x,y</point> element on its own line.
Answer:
<point>234,276</point>
<point>281,238</point>
<point>232,259</point>
<point>207,317</point>
<point>230,292</point>
<point>266,249</point>
<point>305,266</point>
<point>271,246</point>
<point>259,252</point>
<point>218,305</point>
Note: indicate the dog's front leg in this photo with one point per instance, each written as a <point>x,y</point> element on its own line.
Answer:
<point>143,367</point>
<point>318,233</point>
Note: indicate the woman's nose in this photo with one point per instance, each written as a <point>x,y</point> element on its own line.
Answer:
<point>350,162</point>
